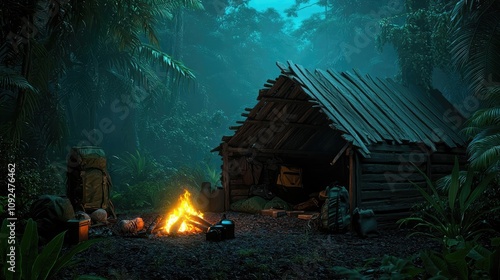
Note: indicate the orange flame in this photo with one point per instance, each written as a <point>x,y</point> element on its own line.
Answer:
<point>180,215</point>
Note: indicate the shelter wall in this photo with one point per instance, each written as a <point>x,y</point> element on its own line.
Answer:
<point>385,179</point>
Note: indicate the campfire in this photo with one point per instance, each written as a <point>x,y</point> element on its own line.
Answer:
<point>184,218</point>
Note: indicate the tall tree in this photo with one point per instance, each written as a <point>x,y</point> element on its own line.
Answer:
<point>420,36</point>
<point>18,95</point>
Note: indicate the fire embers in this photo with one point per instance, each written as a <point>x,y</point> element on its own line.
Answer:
<point>221,231</point>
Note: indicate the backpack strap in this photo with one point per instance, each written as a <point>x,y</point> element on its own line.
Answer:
<point>112,209</point>
<point>111,205</point>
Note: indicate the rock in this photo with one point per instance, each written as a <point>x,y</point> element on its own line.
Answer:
<point>80,215</point>
<point>99,216</point>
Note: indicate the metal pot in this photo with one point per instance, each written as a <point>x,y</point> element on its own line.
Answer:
<point>228,228</point>
<point>215,233</point>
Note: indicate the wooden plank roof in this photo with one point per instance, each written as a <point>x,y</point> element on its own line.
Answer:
<point>360,109</point>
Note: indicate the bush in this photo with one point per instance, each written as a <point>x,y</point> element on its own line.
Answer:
<point>469,260</point>
<point>146,195</point>
<point>160,194</point>
<point>31,179</point>
<point>454,219</point>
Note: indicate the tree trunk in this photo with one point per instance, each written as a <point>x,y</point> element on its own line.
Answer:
<point>20,110</point>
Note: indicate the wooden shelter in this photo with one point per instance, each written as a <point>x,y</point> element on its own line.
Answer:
<point>364,133</point>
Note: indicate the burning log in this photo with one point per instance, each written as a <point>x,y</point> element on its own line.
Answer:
<point>199,220</point>
<point>185,217</point>
<point>176,226</point>
<point>197,225</point>
<point>153,227</point>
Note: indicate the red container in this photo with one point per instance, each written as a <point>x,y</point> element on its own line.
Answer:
<point>78,231</point>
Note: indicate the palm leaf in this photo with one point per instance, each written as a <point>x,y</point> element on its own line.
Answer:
<point>484,150</point>
<point>156,56</point>
<point>485,117</point>
<point>11,79</point>
<point>475,48</point>
<point>491,96</point>
<point>174,5</point>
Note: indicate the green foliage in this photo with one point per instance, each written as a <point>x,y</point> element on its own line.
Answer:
<point>354,273</point>
<point>468,260</point>
<point>142,195</point>
<point>32,178</point>
<point>51,70</point>
<point>397,268</point>
<point>484,129</point>
<point>163,59</point>
<point>390,268</point>
<point>476,53</point>
<point>3,205</point>
<point>455,218</point>
<point>10,79</point>
<point>137,167</point>
<point>212,175</point>
<point>422,42</point>
<point>89,277</point>
<point>182,137</point>
<point>489,202</point>
<point>32,264</point>
<point>344,36</point>
<point>187,177</point>
<point>161,193</point>
<point>476,44</point>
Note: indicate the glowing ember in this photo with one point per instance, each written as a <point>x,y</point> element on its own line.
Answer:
<point>179,220</point>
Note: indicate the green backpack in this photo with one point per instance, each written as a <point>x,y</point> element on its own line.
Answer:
<point>335,211</point>
<point>88,184</point>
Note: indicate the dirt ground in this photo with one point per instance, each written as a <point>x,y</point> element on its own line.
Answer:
<point>263,248</point>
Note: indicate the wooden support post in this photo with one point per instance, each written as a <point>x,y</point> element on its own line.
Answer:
<point>225,176</point>
<point>352,180</point>
<point>428,168</point>
<point>340,154</point>
<point>357,180</point>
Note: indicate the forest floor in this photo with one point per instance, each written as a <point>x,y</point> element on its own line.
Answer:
<point>263,248</point>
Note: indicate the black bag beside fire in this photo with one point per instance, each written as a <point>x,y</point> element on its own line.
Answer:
<point>335,211</point>
<point>88,184</point>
